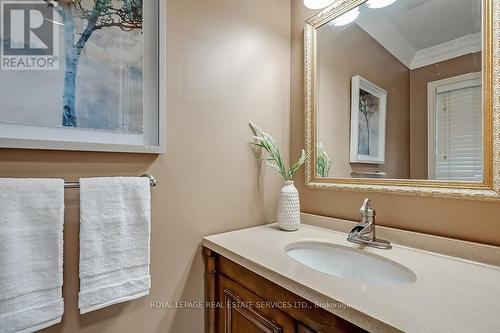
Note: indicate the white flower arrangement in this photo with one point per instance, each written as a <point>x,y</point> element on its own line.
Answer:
<point>323,162</point>
<point>274,158</point>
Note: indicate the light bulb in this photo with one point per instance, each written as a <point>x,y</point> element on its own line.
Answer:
<point>346,18</point>
<point>317,4</point>
<point>379,3</point>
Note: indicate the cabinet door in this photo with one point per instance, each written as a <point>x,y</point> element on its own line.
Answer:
<point>245,312</point>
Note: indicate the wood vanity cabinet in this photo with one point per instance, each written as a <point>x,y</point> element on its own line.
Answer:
<point>240,301</point>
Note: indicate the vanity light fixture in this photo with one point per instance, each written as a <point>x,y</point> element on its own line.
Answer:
<point>346,18</point>
<point>379,3</point>
<point>317,4</point>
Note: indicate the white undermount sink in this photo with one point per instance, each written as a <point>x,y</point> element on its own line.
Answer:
<point>349,263</point>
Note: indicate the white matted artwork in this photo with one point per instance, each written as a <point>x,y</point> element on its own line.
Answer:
<point>368,116</point>
<point>82,75</point>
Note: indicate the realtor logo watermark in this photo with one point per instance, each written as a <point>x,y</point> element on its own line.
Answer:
<point>29,36</point>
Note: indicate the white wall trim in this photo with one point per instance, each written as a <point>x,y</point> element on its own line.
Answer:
<point>448,50</point>
<point>394,42</point>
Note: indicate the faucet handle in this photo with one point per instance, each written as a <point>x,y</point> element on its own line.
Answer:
<point>366,211</point>
<point>366,206</point>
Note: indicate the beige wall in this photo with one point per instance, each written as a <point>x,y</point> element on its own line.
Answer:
<point>418,104</point>
<point>342,53</point>
<point>469,220</point>
<point>228,63</point>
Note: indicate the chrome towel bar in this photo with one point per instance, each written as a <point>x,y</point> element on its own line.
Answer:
<point>152,182</point>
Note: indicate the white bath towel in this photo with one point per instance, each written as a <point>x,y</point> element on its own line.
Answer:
<point>31,248</point>
<point>114,241</point>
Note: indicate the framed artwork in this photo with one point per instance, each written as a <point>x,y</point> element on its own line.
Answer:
<point>368,116</point>
<point>83,75</point>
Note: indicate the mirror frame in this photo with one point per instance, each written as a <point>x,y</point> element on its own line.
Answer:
<point>489,190</point>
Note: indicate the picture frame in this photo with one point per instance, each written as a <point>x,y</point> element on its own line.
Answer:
<point>121,72</point>
<point>487,191</point>
<point>368,122</point>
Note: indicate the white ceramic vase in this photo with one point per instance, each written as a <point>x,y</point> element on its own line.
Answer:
<point>289,207</point>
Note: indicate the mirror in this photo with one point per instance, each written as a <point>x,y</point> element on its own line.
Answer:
<point>399,92</point>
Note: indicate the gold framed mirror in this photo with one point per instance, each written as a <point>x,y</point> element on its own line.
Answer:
<point>401,96</point>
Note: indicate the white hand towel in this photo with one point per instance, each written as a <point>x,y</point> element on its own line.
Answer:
<point>114,241</point>
<point>31,247</point>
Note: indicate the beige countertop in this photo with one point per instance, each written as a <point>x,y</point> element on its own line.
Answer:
<point>449,295</point>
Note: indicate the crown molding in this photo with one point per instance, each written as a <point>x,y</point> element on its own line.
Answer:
<point>447,50</point>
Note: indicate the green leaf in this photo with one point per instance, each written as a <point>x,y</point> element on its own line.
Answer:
<point>274,158</point>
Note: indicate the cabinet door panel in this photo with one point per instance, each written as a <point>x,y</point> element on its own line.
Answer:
<point>243,318</point>
<point>241,312</point>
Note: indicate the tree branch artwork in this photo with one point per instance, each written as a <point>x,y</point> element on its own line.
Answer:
<point>368,106</point>
<point>99,14</point>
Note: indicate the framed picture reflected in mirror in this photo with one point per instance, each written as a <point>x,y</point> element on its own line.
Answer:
<point>368,117</point>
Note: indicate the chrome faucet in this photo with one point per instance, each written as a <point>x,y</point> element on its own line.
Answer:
<point>364,232</point>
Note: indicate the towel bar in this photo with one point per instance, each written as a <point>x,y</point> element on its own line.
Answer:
<point>152,182</point>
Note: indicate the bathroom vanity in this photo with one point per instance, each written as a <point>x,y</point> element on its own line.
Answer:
<point>256,281</point>
<point>243,301</point>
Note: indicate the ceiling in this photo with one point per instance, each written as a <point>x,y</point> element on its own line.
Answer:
<point>425,23</point>
<point>418,32</point>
